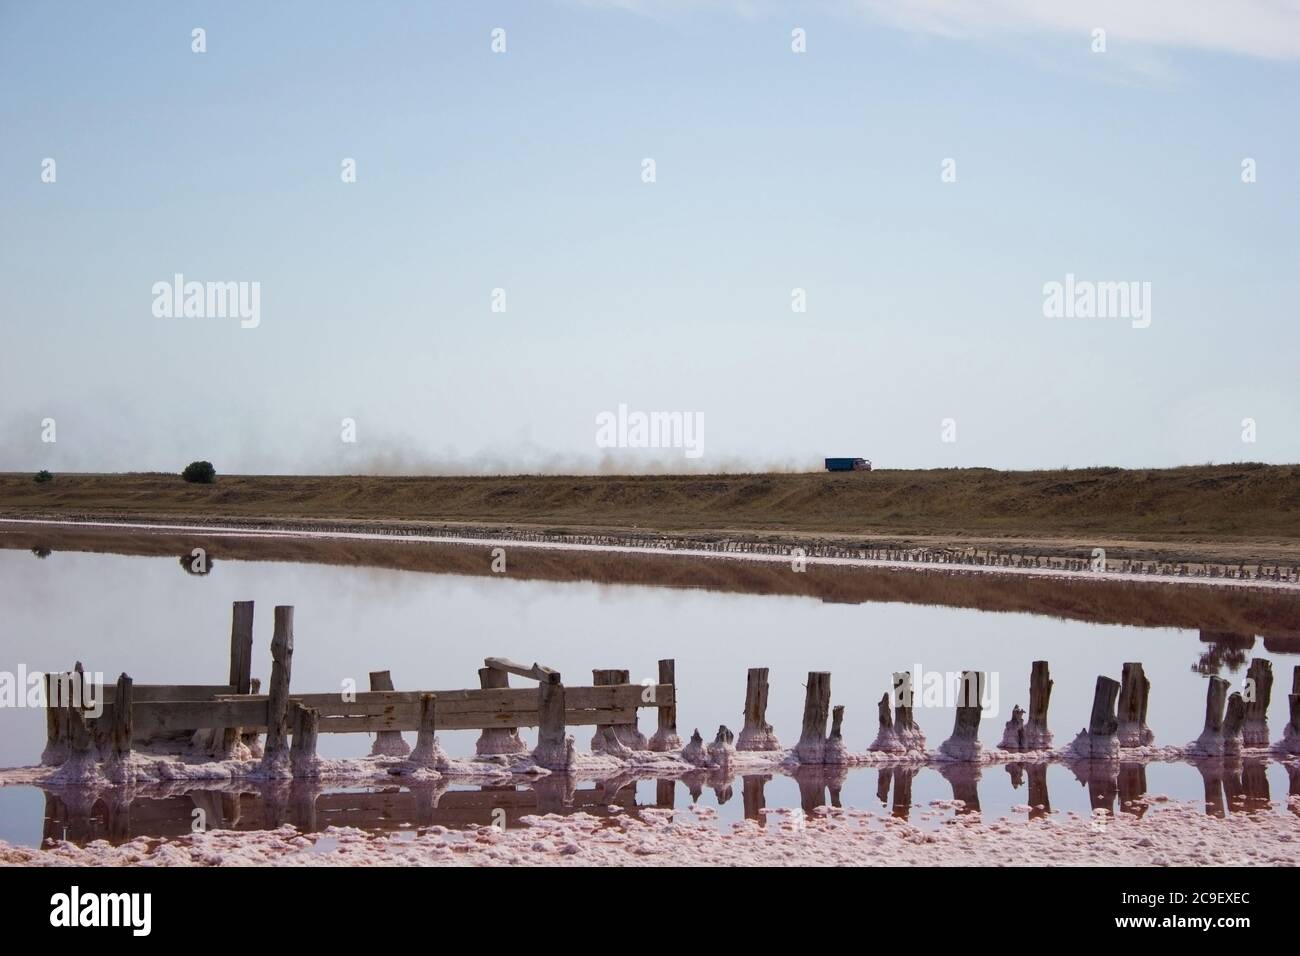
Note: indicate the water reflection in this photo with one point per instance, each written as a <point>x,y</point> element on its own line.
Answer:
<point>1226,650</point>
<point>118,815</point>
<point>1234,784</point>
<point>1040,805</point>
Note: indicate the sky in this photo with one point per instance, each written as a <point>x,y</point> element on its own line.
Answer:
<point>503,272</point>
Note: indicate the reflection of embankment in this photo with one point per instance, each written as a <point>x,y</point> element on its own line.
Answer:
<point>1245,611</point>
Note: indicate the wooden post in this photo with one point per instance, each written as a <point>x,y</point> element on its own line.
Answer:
<point>964,744</point>
<point>1259,682</point>
<point>887,738</point>
<point>427,752</point>
<point>79,733</point>
<point>277,718</point>
<point>1211,739</point>
<point>625,734</point>
<point>56,719</point>
<point>1134,692</point>
<point>250,739</point>
<point>554,749</point>
<point>388,743</point>
<point>757,732</point>
<point>120,733</point>
<point>1234,719</point>
<point>906,728</point>
<point>497,740</point>
<point>306,727</point>
<point>241,665</point>
<point>1103,721</point>
<point>836,752</point>
<point>1290,742</point>
<point>665,737</point>
<point>1037,736</point>
<point>816,712</point>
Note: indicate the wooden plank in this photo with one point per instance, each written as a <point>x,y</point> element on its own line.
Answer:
<point>148,693</point>
<point>472,721</point>
<point>367,703</point>
<point>537,672</point>
<point>154,717</point>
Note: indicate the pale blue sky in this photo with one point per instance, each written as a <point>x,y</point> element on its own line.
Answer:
<point>522,170</point>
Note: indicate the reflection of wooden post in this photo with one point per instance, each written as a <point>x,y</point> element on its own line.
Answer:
<point>1134,692</point>
<point>757,733</point>
<point>665,736</point>
<point>241,665</point>
<point>902,806</point>
<point>1040,804</point>
<point>1259,677</point>
<point>816,712</point>
<point>752,793</point>
<point>277,717</point>
<point>120,733</point>
<point>1132,787</point>
<point>388,743</point>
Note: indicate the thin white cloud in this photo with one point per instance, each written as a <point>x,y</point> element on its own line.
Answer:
<point>1260,28</point>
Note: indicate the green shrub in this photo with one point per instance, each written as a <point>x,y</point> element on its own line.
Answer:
<point>199,473</point>
<point>43,476</point>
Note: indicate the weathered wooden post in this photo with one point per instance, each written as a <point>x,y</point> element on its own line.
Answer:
<point>625,734</point>
<point>306,728</point>
<point>964,744</point>
<point>1013,734</point>
<point>241,666</point>
<point>1234,719</point>
<point>388,743</point>
<point>428,752</point>
<point>816,712</point>
<point>277,711</point>
<point>252,739</point>
<point>120,732</point>
<point>56,719</point>
<point>1259,693</point>
<point>906,728</point>
<point>497,740</point>
<point>836,752</point>
<point>1216,697</point>
<point>665,737</point>
<point>887,739</point>
<point>757,732</point>
<point>554,749</point>
<point>1134,693</point>
<point>1100,738</point>
<point>722,751</point>
<point>80,738</point>
<point>695,753</point>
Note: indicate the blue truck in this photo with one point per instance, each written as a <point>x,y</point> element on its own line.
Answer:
<point>848,464</point>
